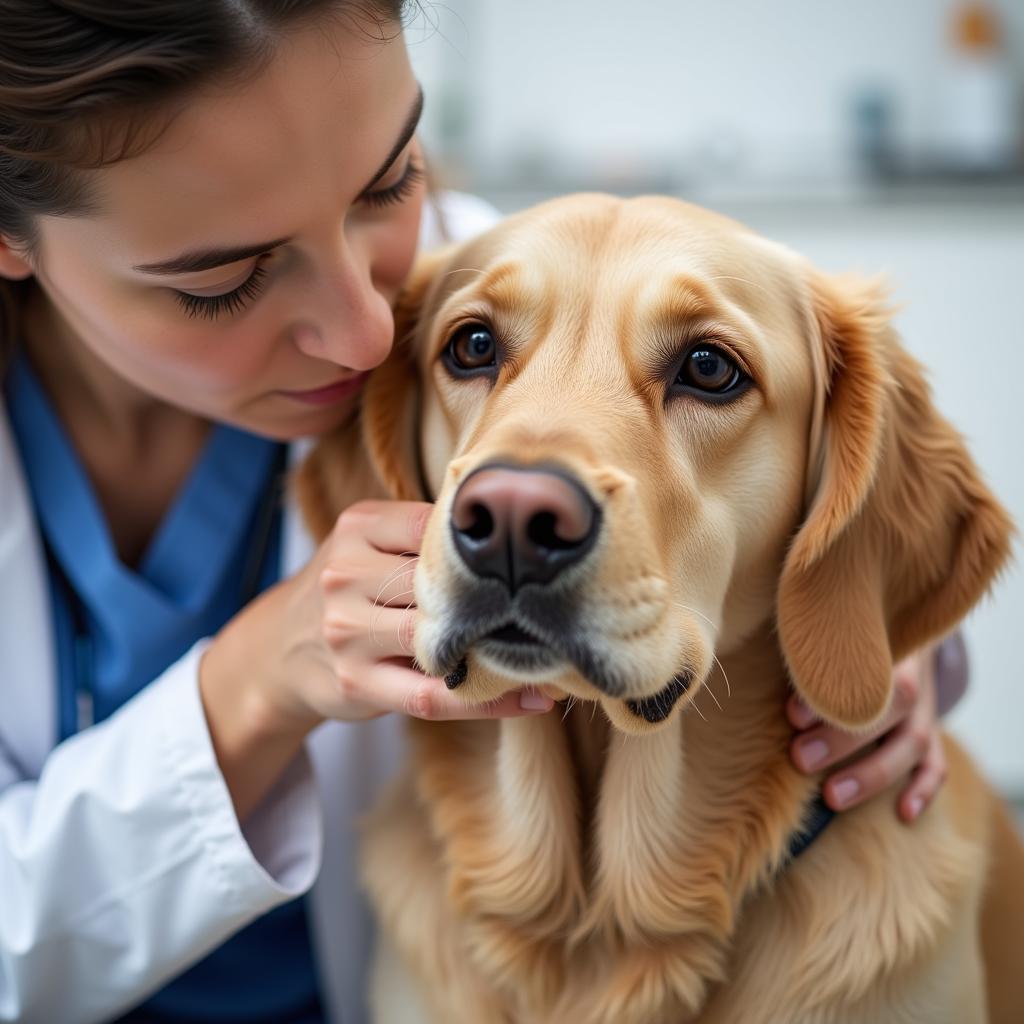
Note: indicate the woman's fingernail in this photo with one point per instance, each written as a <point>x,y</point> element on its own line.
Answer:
<point>812,753</point>
<point>531,700</point>
<point>845,790</point>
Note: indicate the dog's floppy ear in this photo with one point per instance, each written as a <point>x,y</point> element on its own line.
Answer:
<point>901,537</point>
<point>391,405</point>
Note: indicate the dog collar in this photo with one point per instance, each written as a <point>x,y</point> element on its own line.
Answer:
<point>817,821</point>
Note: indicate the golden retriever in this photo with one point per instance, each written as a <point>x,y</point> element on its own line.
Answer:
<point>676,471</point>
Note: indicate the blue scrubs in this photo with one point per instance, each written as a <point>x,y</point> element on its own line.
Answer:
<point>118,628</point>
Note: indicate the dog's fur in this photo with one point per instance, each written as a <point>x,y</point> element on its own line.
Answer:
<point>594,867</point>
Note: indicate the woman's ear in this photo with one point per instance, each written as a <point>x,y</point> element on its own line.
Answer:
<point>14,264</point>
<point>902,536</point>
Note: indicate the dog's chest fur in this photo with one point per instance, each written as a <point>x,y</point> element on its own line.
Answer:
<point>577,874</point>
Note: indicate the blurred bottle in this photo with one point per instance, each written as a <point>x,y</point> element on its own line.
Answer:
<point>874,132</point>
<point>979,130</point>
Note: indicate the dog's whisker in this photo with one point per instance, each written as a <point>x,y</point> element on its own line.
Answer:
<point>742,280</point>
<point>694,611</point>
<point>570,704</point>
<point>392,576</point>
<point>707,686</point>
<point>401,594</point>
<point>463,270</point>
<point>376,618</point>
<point>687,608</point>
<point>728,688</point>
<point>693,704</point>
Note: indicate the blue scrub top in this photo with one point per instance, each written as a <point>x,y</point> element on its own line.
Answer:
<point>117,628</point>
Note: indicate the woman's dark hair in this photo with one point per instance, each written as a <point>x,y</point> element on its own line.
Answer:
<point>83,84</point>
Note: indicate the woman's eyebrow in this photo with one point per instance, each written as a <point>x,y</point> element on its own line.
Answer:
<point>208,259</point>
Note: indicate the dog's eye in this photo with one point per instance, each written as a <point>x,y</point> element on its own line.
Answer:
<point>708,369</point>
<point>472,347</point>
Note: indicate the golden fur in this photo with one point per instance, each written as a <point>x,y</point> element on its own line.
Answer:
<point>594,867</point>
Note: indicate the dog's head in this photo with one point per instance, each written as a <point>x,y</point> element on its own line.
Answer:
<point>649,433</point>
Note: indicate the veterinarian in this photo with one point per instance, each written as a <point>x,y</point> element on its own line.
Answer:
<point>207,210</point>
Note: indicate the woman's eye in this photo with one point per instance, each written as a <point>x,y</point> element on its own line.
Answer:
<point>472,347</point>
<point>709,369</point>
<point>402,189</point>
<point>212,306</point>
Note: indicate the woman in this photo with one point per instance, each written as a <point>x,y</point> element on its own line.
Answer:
<point>207,209</point>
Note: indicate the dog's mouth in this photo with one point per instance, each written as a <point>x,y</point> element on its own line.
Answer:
<point>510,633</point>
<point>522,643</point>
<point>521,650</point>
<point>523,647</point>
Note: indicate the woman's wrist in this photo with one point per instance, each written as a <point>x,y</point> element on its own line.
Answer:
<point>255,734</point>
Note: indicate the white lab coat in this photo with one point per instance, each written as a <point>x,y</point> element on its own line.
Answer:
<point>121,859</point>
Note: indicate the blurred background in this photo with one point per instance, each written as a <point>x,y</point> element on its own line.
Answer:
<point>875,136</point>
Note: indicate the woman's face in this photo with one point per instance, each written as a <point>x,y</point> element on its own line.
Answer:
<point>244,266</point>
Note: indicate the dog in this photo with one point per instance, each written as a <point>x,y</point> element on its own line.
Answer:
<point>676,472</point>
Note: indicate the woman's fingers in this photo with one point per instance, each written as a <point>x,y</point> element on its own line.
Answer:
<point>374,633</point>
<point>905,744</point>
<point>927,780</point>
<point>391,686</point>
<point>820,745</point>
<point>899,753</point>
<point>394,527</point>
<point>381,580</point>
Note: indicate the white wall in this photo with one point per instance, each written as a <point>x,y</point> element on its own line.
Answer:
<point>762,86</point>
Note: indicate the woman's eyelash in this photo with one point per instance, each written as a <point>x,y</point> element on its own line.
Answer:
<point>212,306</point>
<point>399,191</point>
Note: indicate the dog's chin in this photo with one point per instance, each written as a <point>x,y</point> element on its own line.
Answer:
<point>486,674</point>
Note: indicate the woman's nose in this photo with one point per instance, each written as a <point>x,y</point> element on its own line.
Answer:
<point>345,319</point>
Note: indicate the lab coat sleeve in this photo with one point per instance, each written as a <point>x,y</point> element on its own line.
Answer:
<point>124,863</point>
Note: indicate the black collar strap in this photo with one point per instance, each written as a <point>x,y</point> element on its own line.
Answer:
<point>818,817</point>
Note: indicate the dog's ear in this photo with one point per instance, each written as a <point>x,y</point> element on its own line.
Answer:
<point>335,474</point>
<point>391,404</point>
<point>902,536</point>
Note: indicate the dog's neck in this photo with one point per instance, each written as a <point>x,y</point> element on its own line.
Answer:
<point>560,832</point>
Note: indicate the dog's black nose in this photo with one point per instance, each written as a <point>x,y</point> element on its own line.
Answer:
<point>522,525</point>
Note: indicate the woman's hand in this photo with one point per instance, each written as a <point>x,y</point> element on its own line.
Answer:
<point>334,641</point>
<point>351,620</point>
<point>908,744</point>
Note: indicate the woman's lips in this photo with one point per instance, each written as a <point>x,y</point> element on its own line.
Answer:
<point>331,394</point>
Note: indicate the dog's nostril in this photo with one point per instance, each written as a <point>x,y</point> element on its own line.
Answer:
<point>542,530</point>
<point>477,523</point>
